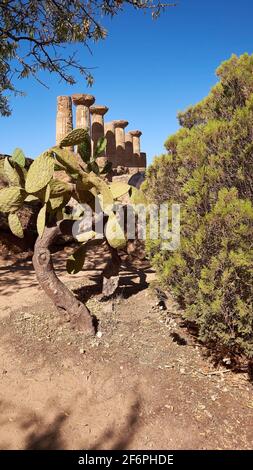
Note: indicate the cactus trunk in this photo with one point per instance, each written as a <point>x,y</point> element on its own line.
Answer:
<point>67,304</point>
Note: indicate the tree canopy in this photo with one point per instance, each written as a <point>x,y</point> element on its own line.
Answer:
<point>34,33</point>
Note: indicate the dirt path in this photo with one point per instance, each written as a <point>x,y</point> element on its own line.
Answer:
<point>19,286</point>
<point>143,382</point>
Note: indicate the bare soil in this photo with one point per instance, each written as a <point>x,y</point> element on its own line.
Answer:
<point>142,382</point>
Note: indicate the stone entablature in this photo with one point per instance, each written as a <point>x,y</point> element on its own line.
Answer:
<point>123,148</point>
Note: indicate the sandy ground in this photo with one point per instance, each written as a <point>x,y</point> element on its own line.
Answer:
<point>142,382</point>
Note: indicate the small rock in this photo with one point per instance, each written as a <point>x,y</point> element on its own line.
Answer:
<point>170,407</point>
<point>227,360</point>
<point>99,334</point>
<point>201,407</point>
<point>27,316</point>
<point>208,414</point>
<point>109,308</point>
<point>81,351</point>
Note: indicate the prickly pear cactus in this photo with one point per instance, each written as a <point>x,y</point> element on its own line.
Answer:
<point>75,137</point>
<point>15,225</point>
<point>11,199</point>
<point>40,173</point>
<point>86,182</point>
<point>18,156</point>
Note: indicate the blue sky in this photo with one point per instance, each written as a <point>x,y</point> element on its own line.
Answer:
<point>145,72</point>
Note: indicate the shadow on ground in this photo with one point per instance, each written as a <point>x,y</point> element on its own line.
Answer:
<point>130,283</point>
<point>37,434</point>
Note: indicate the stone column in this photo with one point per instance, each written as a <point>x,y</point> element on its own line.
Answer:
<point>83,103</point>
<point>97,128</point>
<point>64,117</point>
<point>129,153</point>
<point>143,162</point>
<point>120,141</point>
<point>136,142</point>
<point>136,160</point>
<point>111,142</point>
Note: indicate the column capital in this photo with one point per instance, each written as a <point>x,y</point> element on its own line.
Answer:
<point>100,110</point>
<point>121,123</point>
<point>135,133</point>
<point>83,99</point>
<point>63,98</point>
<point>63,102</point>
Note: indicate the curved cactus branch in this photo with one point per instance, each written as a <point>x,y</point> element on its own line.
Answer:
<point>65,301</point>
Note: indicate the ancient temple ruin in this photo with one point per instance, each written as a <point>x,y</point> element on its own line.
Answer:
<point>123,148</point>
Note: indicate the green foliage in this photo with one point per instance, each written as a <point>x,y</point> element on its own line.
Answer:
<point>67,159</point>
<point>11,199</point>
<point>137,196</point>
<point>232,92</point>
<point>31,198</point>
<point>40,173</point>
<point>93,167</point>
<point>18,156</point>
<point>84,148</point>
<point>41,220</point>
<point>85,236</point>
<point>103,189</point>
<point>75,137</point>
<point>114,232</point>
<point>107,168</point>
<point>119,188</point>
<point>11,174</point>
<point>84,185</point>
<point>76,261</point>
<point>100,147</point>
<point>15,225</point>
<point>58,188</point>
<point>208,170</point>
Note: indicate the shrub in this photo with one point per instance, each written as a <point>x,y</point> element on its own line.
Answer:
<point>208,170</point>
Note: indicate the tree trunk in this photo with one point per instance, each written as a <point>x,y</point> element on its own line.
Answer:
<point>111,273</point>
<point>65,301</point>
